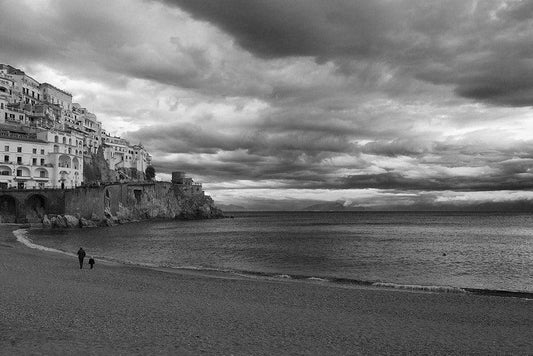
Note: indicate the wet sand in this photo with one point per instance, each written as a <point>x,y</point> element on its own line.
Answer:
<point>49,306</point>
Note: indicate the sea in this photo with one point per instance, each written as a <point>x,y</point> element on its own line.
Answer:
<point>488,253</point>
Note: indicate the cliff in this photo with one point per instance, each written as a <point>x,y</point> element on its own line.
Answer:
<point>96,168</point>
<point>125,202</point>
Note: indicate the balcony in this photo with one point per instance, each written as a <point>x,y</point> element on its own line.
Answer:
<point>22,178</point>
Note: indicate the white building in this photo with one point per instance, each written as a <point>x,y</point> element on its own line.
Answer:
<point>121,155</point>
<point>65,154</point>
<point>45,136</point>
<point>24,162</point>
<point>39,160</point>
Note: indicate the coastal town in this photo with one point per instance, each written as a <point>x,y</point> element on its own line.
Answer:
<point>60,164</point>
<point>46,138</point>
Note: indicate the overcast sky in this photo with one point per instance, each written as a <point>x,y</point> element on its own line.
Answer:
<point>280,104</point>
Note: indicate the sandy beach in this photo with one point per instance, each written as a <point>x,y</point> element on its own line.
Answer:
<point>50,306</point>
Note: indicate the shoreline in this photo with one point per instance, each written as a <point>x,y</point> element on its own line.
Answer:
<point>21,235</point>
<point>50,306</point>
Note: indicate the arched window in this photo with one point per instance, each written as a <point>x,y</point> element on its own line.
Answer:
<point>64,140</point>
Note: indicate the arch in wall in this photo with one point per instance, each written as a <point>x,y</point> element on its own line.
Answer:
<point>64,161</point>
<point>8,209</point>
<point>22,171</point>
<point>5,168</point>
<point>35,207</point>
<point>75,163</point>
<point>41,173</point>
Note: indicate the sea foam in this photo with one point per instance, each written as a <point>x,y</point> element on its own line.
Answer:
<point>22,237</point>
<point>416,287</point>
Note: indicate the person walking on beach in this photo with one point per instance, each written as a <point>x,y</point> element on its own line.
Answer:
<point>91,262</point>
<point>81,256</point>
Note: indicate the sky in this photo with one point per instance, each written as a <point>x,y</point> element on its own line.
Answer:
<point>383,104</point>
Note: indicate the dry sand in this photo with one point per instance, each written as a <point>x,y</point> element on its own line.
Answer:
<point>49,306</point>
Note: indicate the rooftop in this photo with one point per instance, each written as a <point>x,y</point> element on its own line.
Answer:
<point>55,88</point>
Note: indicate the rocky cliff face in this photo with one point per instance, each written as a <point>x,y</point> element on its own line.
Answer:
<point>168,202</point>
<point>142,202</point>
<point>96,168</point>
<point>159,202</point>
<point>197,207</point>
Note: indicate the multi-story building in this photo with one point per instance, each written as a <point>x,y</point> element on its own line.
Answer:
<point>46,136</point>
<point>25,88</point>
<point>53,95</point>
<point>123,157</point>
<point>66,155</point>
<point>25,162</point>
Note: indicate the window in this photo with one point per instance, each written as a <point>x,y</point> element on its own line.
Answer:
<point>56,139</point>
<point>42,161</point>
<point>6,159</point>
<point>21,117</point>
<point>42,152</point>
<point>6,148</point>
<point>34,151</point>
<point>19,160</point>
<point>19,172</point>
<point>19,149</point>
<point>42,174</point>
<point>34,161</point>
<point>6,173</point>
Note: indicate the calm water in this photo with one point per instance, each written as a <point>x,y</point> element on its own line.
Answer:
<point>477,250</point>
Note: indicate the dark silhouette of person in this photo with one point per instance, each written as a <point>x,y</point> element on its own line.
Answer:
<point>91,262</point>
<point>81,256</point>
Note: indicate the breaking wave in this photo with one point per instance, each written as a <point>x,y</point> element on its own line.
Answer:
<point>22,237</point>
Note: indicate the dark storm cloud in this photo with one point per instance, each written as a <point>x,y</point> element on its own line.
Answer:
<point>279,28</point>
<point>479,183</point>
<point>398,147</point>
<point>294,156</point>
<point>99,41</point>
<point>512,174</point>
<point>481,48</point>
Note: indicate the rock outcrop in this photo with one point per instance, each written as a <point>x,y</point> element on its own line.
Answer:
<point>201,207</point>
<point>96,168</point>
<point>136,202</point>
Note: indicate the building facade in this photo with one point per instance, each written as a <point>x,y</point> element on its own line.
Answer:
<point>45,137</point>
